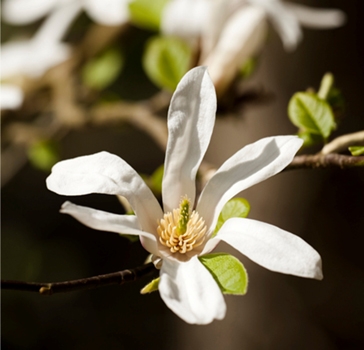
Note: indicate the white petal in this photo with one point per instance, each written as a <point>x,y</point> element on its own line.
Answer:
<point>13,58</point>
<point>185,18</point>
<point>240,40</point>
<point>271,247</point>
<point>191,118</point>
<point>108,12</point>
<point>11,97</point>
<point>26,11</point>
<point>249,166</point>
<point>103,221</point>
<point>106,173</point>
<point>317,18</point>
<point>190,291</point>
<point>56,24</point>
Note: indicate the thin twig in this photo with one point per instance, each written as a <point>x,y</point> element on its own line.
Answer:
<point>315,161</point>
<point>342,143</point>
<point>114,278</point>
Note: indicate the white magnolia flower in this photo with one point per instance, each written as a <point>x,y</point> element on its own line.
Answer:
<point>33,57</point>
<point>106,12</point>
<point>233,31</point>
<point>176,235</point>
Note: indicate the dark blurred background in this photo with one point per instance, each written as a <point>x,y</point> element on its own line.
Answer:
<point>324,207</point>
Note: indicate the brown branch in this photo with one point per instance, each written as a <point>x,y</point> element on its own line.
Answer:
<point>114,278</point>
<point>331,160</point>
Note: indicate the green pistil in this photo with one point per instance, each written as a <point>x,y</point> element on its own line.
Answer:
<point>184,216</point>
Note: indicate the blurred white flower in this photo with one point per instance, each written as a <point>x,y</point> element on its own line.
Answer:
<point>11,96</point>
<point>178,235</point>
<point>106,12</point>
<point>232,31</point>
<point>33,57</point>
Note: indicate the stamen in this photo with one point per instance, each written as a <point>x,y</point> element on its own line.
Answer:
<point>182,231</point>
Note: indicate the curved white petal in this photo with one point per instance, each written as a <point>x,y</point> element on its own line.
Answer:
<point>271,247</point>
<point>103,221</point>
<point>56,24</point>
<point>108,12</point>
<point>190,291</point>
<point>11,97</point>
<point>13,58</point>
<point>185,18</point>
<point>241,38</point>
<point>191,118</point>
<point>26,11</point>
<point>317,18</point>
<point>106,173</point>
<point>249,166</point>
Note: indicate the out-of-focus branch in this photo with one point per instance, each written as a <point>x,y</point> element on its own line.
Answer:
<point>135,114</point>
<point>342,143</point>
<point>331,160</point>
<point>114,278</point>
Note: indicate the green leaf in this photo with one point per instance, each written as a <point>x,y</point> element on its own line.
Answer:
<point>151,286</point>
<point>155,180</point>
<point>131,238</point>
<point>146,13</point>
<point>228,272</point>
<point>326,85</point>
<point>310,139</point>
<point>248,68</point>
<point>101,71</point>
<point>166,60</point>
<point>43,154</point>
<point>234,208</point>
<point>356,150</point>
<point>312,114</point>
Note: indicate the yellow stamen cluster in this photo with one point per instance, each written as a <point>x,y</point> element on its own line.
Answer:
<point>181,231</point>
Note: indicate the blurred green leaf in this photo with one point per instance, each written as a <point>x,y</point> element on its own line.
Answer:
<point>326,85</point>
<point>146,13</point>
<point>151,286</point>
<point>310,139</point>
<point>155,180</point>
<point>356,150</point>
<point>228,272</point>
<point>101,71</point>
<point>43,154</point>
<point>166,60</point>
<point>248,68</point>
<point>311,114</point>
<point>234,208</point>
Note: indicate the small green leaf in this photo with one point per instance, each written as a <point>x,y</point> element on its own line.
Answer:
<point>234,208</point>
<point>101,71</point>
<point>151,286</point>
<point>310,113</point>
<point>228,272</point>
<point>166,60</point>
<point>326,85</point>
<point>155,180</point>
<point>356,150</point>
<point>310,139</point>
<point>147,14</point>
<point>248,68</point>
<point>131,238</point>
<point>43,154</point>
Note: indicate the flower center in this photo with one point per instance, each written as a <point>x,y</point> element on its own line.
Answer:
<point>181,231</point>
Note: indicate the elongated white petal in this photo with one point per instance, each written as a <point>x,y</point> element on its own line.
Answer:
<point>190,291</point>
<point>11,97</point>
<point>26,11</point>
<point>317,18</point>
<point>56,24</point>
<point>103,221</point>
<point>108,12</point>
<point>106,173</point>
<point>271,247</point>
<point>240,40</point>
<point>191,118</point>
<point>249,166</point>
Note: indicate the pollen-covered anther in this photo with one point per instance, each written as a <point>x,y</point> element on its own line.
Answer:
<point>193,236</point>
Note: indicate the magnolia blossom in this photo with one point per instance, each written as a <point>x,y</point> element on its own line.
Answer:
<point>177,235</point>
<point>33,57</point>
<point>106,12</point>
<point>232,31</point>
